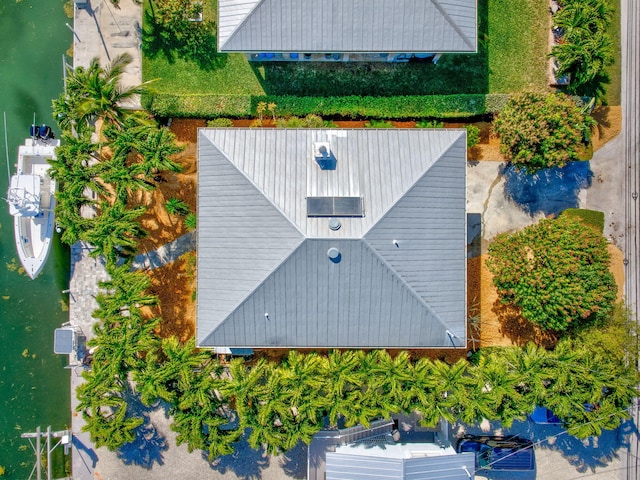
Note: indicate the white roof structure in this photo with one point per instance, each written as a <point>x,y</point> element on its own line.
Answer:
<point>403,461</point>
<point>274,272</point>
<point>347,26</point>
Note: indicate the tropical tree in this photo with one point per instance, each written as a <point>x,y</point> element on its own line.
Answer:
<point>124,293</point>
<point>541,131</point>
<point>68,215</point>
<point>175,206</point>
<point>94,93</point>
<point>342,381</point>
<point>157,147</point>
<point>556,272</point>
<point>586,48</point>
<point>115,231</point>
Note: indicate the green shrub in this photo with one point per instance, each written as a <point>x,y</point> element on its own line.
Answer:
<point>191,222</point>
<point>541,131</point>
<point>378,124</point>
<point>310,121</point>
<point>594,218</point>
<point>400,107</point>
<point>556,272</point>
<point>220,122</point>
<point>473,135</point>
<point>314,121</point>
<point>429,124</point>
<point>175,206</point>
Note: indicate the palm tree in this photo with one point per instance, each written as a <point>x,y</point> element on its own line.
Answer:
<point>125,179</point>
<point>340,371</point>
<point>112,429</point>
<point>103,94</point>
<point>175,206</point>
<point>492,393</point>
<point>586,48</point>
<point>444,388</point>
<point>156,148</point>
<point>125,291</point>
<point>68,216</point>
<point>115,231</point>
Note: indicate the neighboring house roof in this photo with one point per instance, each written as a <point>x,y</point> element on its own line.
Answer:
<point>264,275</point>
<point>399,462</point>
<point>347,25</point>
<point>375,453</point>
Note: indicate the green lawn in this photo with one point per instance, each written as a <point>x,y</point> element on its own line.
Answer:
<point>613,89</point>
<point>517,39</point>
<point>226,73</point>
<point>511,57</point>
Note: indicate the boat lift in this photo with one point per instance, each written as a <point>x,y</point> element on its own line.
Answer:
<point>71,340</point>
<point>40,450</point>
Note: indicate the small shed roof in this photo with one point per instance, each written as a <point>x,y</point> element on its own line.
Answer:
<point>265,276</point>
<point>377,464</point>
<point>347,25</point>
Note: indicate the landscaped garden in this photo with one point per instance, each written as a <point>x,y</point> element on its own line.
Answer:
<point>512,47</point>
<point>553,276</point>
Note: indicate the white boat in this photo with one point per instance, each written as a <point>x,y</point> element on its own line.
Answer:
<point>31,199</point>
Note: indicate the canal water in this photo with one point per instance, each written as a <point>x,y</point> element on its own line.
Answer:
<point>34,385</point>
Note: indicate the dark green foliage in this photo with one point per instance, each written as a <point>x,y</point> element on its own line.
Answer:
<point>541,131</point>
<point>429,124</point>
<point>220,122</point>
<point>176,206</point>
<point>169,32</point>
<point>373,123</point>
<point>473,135</point>
<point>310,121</point>
<point>191,221</point>
<point>586,49</point>
<point>556,271</point>
<point>401,107</point>
<point>594,218</point>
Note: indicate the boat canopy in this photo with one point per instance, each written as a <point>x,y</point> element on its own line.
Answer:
<point>24,196</point>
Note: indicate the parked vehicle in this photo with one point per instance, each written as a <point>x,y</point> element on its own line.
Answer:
<point>499,453</point>
<point>544,416</point>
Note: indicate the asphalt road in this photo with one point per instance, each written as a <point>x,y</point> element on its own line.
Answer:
<point>630,132</point>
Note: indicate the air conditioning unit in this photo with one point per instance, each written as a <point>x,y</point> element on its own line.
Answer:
<point>324,156</point>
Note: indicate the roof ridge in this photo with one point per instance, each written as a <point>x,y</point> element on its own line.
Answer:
<point>258,188</point>
<point>404,282</point>
<point>453,24</point>
<point>259,285</point>
<point>408,189</point>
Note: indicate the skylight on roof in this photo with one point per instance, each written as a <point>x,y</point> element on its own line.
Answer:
<point>335,207</point>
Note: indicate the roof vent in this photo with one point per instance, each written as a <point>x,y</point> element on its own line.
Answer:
<point>324,156</point>
<point>334,254</point>
<point>334,224</point>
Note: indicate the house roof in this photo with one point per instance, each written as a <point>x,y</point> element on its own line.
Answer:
<point>264,275</point>
<point>411,463</point>
<point>347,25</point>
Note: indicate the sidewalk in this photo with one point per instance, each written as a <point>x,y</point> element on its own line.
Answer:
<point>105,31</point>
<point>86,272</point>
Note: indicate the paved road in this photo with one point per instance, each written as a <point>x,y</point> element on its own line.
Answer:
<point>630,134</point>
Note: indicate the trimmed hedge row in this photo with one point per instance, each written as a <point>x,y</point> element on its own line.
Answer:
<point>400,107</point>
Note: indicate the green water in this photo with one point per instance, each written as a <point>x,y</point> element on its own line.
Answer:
<point>34,386</point>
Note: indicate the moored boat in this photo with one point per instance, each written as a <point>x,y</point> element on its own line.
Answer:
<point>31,199</point>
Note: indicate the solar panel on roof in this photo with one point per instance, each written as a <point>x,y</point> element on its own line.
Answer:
<point>334,207</point>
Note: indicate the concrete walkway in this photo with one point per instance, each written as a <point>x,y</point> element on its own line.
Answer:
<point>105,31</point>
<point>86,272</point>
<point>165,254</point>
